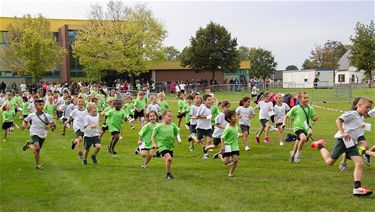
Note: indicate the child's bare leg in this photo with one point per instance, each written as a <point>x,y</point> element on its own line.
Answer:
<point>168,162</point>
<point>86,154</point>
<point>358,168</point>
<point>267,130</point>
<point>234,165</point>
<point>97,148</point>
<point>36,150</point>
<point>245,135</point>
<point>260,131</point>
<point>149,156</point>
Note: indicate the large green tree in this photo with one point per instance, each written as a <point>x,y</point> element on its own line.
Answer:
<point>244,53</point>
<point>262,63</point>
<point>120,38</point>
<point>363,49</point>
<point>212,49</point>
<point>32,48</point>
<point>326,56</point>
<point>171,53</point>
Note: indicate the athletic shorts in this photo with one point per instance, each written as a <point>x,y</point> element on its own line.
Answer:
<point>244,128</point>
<point>203,133</point>
<point>164,152</point>
<point>79,133</point>
<point>299,132</point>
<point>7,125</point>
<point>104,128</point>
<point>88,141</point>
<point>217,141</point>
<point>139,114</point>
<point>35,138</point>
<point>59,114</point>
<point>181,115</point>
<point>228,154</point>
<point>263,122</point>
<point>341,148</point>
<point>115,132</point>
<point>24,116</point>
<point>193,129</point>
<point>279,124</point>
<point>146,149</point>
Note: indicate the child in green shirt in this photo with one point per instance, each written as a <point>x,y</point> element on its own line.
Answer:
<point>129,111</point>
<point>8,119</point>
<point>181,105</point>
<point>115,118</point>
<point>105,113</point>
<point>50,107</point>
<point>139,105</point>
<point>25,107</point>
<point>229,142</point>
<point>162,102</point>
<point>163,136</point>
<point>145,143</point>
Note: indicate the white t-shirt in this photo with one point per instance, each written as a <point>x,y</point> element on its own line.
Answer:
<point>280,111</point>
<point>264,108</point>
<point>31,107</point>
<point>78,117</point>
<point>204,124</point>
<point>89,120</point>
<point>219,120</point>
<point>193,112</point>
<point>371,113</point>
<point>67,110</point>
<point>153,107</point>
<point>23,87</point>
<point>38,125</point>
<point>182,86</point>
<point>352,125</point>
<point>245,112</point>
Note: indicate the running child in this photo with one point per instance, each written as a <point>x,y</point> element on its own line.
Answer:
<point>129,111</point>
<point>145,138</point>
<point>8,119</point>
<point>280,109</point>
<point>163,103</point>
<point>230,148</point>
<point>245,112</point>
<point>350,133</point>
<point>264,106</point>
<point>78,116</point>
<point>139,105</point>
<point>181,105</point>
<point>40,122</point>
<point>67,110</point>
<point>189,102</point>
<point>115,119</point>
<point>304,117</point>
<point>25,107</point>
<point>105,113</point>
<point>153,106</point>
<point>204,127</point>
<point>91,133</point>
<point>163,137</point>
<point>50,107</point>
<point>193,121</point>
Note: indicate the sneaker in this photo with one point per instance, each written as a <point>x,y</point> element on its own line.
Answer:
<point>84,162</point>
<point>120,137</point>
<point>26,146</point>
<point>190,138</point>
<point>316,144</point>
<point>361,191</point>
<point>281,143</point>
<point>366,159</point>
<point>216,155</point>
<point>343,167</point>
<point>73,144</point>
<point>257,140</point>
<point>170,177</point>
<point>230,163</point>
<point>204,150</point>
<point>291,157</point>
<point>93,158</point>
<point>230,175</point>
<point>297,158</point>
<point>80,154</point>
<point>266,140</point>
<point>143,166</point>
<point>191,148</point>
<point>247,148</point>
<point>206,156</point>
<point>136,151</point>
<point>39,167</point>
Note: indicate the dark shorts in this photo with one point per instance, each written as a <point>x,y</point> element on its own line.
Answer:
<point>24,116</point>
<point>228,154</point>
<point>115,132</point>
<point>188,124</point>
<point>180,115</point>
<point>139,114</point>
<point>263,122</point>
<point>35,138</point>
<point>59,114</point>
<point>204,133</point>
<point>146,149</point>
<point>164,152</point>
<point>340,148</point>
<point>7,125</point>
<point>279,124</point>
<point>299,132</point>
<point>79,133</point>
<point>217,141</point>
<point>91,141</point>
<point>64,120</point>
<point>104,128</point>
<point>244,128</point>
<point>192,128</point>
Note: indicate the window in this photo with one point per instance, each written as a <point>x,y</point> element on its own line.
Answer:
<point>353,78</point>
<point>341,77</point>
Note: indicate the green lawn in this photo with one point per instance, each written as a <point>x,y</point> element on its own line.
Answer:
<point>264,179</point>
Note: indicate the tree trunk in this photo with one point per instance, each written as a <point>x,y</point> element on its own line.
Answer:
<point>369,78</point>
<point>213,74</point>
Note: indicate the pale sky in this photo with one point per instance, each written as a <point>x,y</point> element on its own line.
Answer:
<point>290,29</point>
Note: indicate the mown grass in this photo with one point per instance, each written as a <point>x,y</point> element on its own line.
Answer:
<point>264,180</point>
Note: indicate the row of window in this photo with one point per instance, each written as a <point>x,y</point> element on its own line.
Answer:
<point>341,78</point>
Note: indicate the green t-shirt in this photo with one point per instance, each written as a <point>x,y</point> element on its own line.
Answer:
<point>181,105</point>
<point>214,112</point>
<point>51,109</point>
<point>115,119</point>
<point>140,104</point>
<point>25,108</point>
<point>165,135</point>
<point>12,103</point>
<point>18,100</point>
<point>163,105</point>
<point>84,95</point>
<point>129,109</point>
<point>299,115</point>
<point>187,110</point>
<point>8,114</point>
<point>146,133</point>
<point>138,86</point>
<point>230,137</point>
<point>106,110</point>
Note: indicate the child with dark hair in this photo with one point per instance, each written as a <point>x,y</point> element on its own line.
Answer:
<point>145,147</point>
<point>245,112</point>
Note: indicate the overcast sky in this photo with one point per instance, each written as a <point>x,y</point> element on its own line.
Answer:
<point>290,29</point>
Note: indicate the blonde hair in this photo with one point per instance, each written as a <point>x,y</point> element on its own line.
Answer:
<point>90,105</point>
<point>299,96</point>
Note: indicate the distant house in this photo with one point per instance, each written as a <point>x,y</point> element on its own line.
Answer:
<point>277,76</point>
<point>305,78</point>
<point>347,74</point>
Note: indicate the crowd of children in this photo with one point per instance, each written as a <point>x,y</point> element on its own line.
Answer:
<point>211,124</point>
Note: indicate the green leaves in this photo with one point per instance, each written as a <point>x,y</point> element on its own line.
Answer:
<point>262,63</point>
<point>32,49</point>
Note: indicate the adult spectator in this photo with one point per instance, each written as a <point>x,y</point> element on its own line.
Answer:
<point>2,87</point>
<point>23,87</point>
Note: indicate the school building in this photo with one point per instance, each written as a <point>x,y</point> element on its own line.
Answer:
<point>65,32</point>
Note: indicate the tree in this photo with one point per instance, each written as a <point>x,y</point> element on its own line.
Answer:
<point>171,53</point>
<point>363,49</point>
<point>262,63</point>
<point>32,49</point>
<point>244,53</point>
<point>291,68</point>
<point>326,56</point>
<point>120,38</point>
<point>212,49</point>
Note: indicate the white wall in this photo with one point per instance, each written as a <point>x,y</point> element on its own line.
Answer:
<point>358,76</point>
<point>305,78</point>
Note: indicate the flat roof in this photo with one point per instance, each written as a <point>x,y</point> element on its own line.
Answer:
<point>176,65</point>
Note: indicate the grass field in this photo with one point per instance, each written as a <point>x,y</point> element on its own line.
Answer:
<point>264,179</point>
